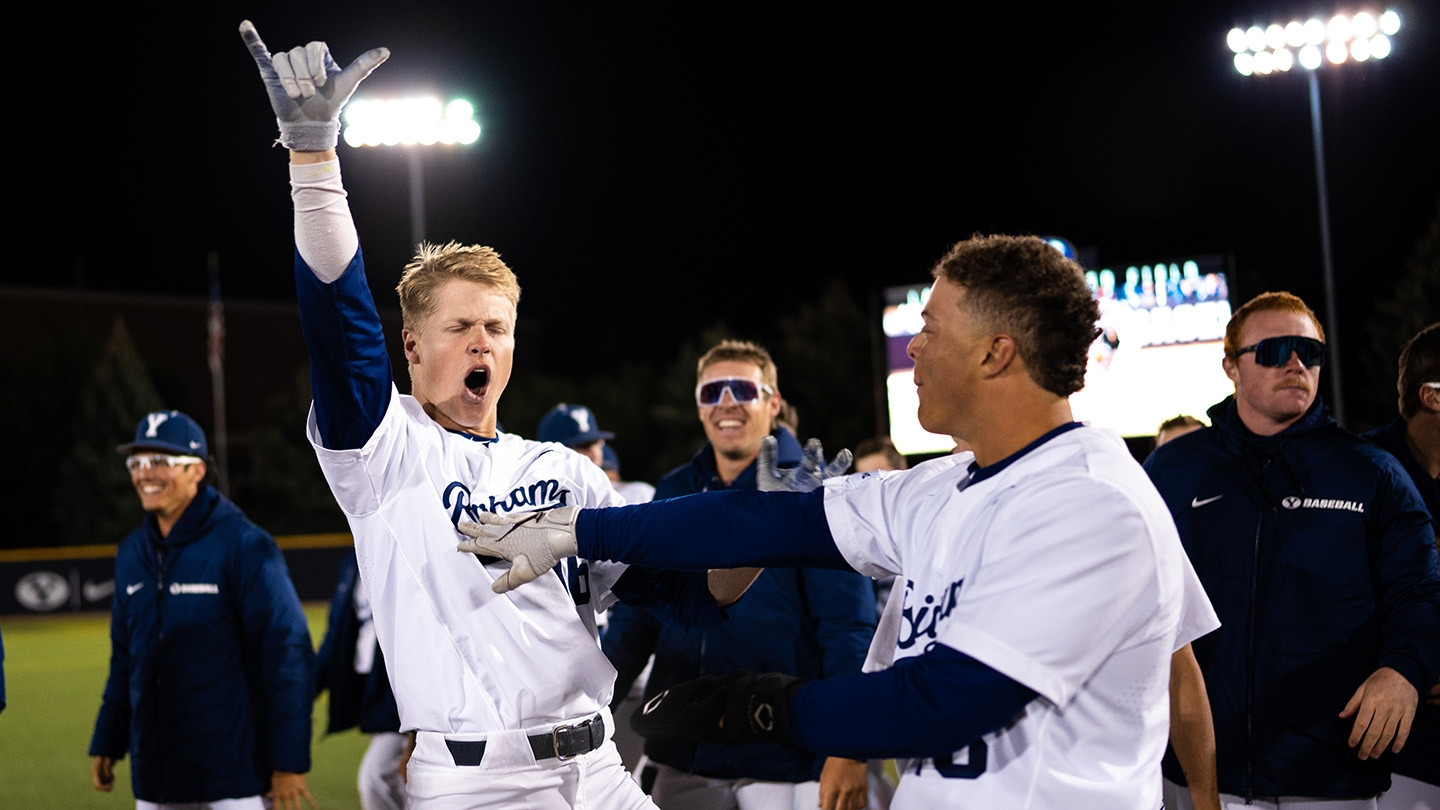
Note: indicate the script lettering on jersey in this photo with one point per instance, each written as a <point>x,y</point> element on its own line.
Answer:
<point>546,494</point>
<point>921,616</point>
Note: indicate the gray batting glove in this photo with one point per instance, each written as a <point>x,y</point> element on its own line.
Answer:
<point>808,475</point>
<point>307,89</point>
<point>533,542</point>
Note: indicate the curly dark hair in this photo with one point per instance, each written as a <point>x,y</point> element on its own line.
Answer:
<point>1022,286</point>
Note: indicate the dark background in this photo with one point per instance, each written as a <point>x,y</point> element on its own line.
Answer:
<point>662,175</point>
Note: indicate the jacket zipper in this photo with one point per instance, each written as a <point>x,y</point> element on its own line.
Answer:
<point>159,638</point>
<point>1250,665</point>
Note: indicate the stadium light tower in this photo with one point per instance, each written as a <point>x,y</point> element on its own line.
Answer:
<point>411,123</point>
<point>1316,45</point>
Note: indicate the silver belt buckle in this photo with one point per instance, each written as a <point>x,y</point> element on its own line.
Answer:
<point>555,738</point>
<point>555,741</point>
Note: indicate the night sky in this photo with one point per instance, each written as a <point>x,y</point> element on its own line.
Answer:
<point>651,169</point>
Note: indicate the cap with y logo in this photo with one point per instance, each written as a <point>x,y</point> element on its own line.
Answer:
<point>168,432</point>
<point>570,425</point>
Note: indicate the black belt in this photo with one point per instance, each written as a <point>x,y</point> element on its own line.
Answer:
<point>562,742</point>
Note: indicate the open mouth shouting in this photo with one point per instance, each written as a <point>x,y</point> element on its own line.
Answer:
<point>476,382</point>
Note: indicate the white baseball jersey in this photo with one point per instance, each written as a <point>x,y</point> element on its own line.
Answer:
<point>461,659</point>
<point>1063,570</point>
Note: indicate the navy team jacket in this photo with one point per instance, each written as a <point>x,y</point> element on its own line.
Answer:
<point>808,622</point>
<point>1319,557</point>
<point>211,668</point>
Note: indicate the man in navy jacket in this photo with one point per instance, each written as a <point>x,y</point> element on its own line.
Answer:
<point>1319,557</point>
<point>802,621</point>
<point>1414,439</point>
<point>211,668</point>
<point>351,668</point>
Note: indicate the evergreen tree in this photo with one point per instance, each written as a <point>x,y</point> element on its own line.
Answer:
<point>95,501</point>
<point>1413,304</point>
<point>824,357</point>
<point>281,487</point>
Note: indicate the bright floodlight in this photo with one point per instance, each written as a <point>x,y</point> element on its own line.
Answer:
<point>1276,47</point>
<point>1274,37</point>
<point>1362,25</point>
<point>1294,34</point>
<point>410,121</point>
<point>1339,29</point>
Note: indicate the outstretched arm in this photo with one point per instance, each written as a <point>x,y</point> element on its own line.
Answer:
<point>783,524</point>
<point>729,529</point>
<point>926,706</point>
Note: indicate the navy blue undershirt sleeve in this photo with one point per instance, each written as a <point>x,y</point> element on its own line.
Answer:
<point>678,598</point>
<point>349,369</point>
<point>927,706</point>
<point>726,529</point>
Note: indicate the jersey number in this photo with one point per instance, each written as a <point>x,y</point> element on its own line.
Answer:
<point>971,768</point>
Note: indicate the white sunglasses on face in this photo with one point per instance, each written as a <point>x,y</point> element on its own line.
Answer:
<point>144,461</point>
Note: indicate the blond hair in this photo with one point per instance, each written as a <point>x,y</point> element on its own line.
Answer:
<point>434,265</point>
<point>740,351</point>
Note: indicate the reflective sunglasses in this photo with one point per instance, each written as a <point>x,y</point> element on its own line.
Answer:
<point>742,390</point>
<point>1275,352</point>
<point>144,461</point>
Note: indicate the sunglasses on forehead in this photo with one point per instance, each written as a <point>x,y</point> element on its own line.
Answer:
<point>741,389</point>
<point>1275,352</point>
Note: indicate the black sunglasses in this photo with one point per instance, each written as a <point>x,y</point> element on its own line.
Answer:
<point>1275,352</point>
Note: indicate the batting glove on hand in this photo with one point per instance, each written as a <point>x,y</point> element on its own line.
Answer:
<point>307,89</point>
<point>810,474</point>
<point>741,707</point>
<point>533,542</point>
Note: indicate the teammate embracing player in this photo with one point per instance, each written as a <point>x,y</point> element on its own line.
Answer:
<point>1042,588</point>
<point>507,695</point>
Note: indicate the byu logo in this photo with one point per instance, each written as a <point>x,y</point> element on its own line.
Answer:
<point>1291,502</point>
<point>153,422</point>
<point>582,418</point>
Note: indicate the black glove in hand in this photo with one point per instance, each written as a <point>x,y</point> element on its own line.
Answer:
<point>741,707</point>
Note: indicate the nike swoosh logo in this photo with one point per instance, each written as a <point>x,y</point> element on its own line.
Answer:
<point>130,589</point>
<point>1196,502</point>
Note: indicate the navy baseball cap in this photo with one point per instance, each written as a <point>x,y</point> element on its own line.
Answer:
<point>168,432</point>
<point>570,425</point>
<point>609,461</point>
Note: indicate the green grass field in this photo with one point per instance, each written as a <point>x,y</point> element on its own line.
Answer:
<point>55,669</point>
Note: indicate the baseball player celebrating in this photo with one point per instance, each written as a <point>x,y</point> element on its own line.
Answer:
<point>1042,588</point>
<point>507,694</point>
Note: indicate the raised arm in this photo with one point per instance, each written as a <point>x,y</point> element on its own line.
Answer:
<point>350,371</point>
